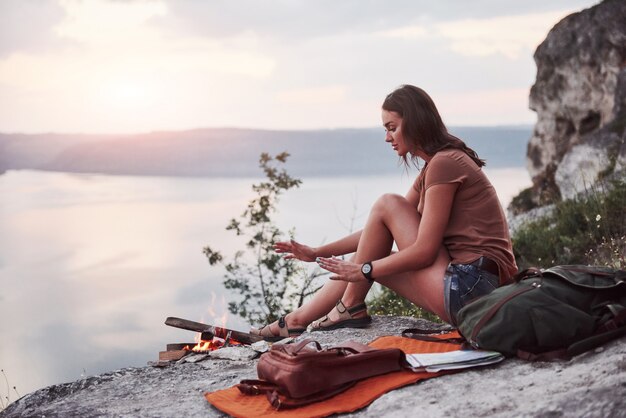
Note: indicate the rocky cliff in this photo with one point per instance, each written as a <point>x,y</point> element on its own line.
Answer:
<point>580,99</point>
<point>590,385</point>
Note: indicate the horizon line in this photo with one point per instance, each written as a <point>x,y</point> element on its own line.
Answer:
<point>239,128</point>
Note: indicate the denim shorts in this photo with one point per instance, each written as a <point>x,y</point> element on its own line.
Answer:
<point>464,283</point>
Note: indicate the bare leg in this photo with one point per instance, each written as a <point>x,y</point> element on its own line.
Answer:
<point>423,287</point>
<point>392,218</point>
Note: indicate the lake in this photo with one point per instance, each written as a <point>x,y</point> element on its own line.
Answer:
<point>91,265</point>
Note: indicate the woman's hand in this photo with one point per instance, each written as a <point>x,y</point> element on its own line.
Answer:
<point>346,271</point>
<point>293,249</point>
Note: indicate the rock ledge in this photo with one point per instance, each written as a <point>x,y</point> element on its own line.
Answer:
<point>590,385</point>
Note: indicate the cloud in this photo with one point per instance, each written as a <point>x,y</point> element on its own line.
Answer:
<point>298,20</point>
<point>511,36</point>
<point>119,70</point>
<point>488,106</point>
<point>313,95</point>
<point>131,66</point>
<point>104,23</point>
<point>28,26</point>
<point>406,32</point>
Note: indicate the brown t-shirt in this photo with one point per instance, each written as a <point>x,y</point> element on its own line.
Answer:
<point>477,225</point>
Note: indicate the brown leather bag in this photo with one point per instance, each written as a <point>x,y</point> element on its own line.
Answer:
<point>302,373</point>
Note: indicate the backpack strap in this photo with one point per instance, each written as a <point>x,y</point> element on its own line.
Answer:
<point>422,334</point>
<point>353,347</point>
<point>294,349</point>
<point>255,387</point>
<point>618,319</point>
<point>560,354</point>
<point>527,274</point>
<point>278,399</point>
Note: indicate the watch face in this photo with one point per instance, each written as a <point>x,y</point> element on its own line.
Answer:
<point>366,268</point>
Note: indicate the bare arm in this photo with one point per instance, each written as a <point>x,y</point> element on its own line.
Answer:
<point>345,245</point>
<point>413,197</point>
<point>293,249</point>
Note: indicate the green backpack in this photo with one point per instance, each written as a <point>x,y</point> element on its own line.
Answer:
<point>546,314</point>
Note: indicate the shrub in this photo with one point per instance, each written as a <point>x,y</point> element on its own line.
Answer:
<point>264,281</point>
<point>388,302</point>
<point>590,229</point>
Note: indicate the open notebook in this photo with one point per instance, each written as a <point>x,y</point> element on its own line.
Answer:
<point>458,359</point>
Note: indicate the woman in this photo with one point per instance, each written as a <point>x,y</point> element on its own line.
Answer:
<point>450,230</point>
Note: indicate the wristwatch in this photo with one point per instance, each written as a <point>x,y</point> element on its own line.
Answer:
<point>366,269</point>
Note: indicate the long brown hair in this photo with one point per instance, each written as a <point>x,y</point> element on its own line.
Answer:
<point>422,125</point>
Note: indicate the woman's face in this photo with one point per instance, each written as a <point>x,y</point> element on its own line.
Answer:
<point>393,128</point>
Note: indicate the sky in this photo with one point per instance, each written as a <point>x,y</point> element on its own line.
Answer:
<point>115,66</point>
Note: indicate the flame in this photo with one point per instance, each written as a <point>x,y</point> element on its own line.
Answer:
<point>216,342</point>
<point>204,345</point>
<point>218,320</point>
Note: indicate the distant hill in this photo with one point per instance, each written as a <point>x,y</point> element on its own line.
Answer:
<point>235,152</point>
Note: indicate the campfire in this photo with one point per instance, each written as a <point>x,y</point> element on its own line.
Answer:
<point>208,338</point>
<point>214,343</point>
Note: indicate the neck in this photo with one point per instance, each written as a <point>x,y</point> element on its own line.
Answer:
<point>421,154</point>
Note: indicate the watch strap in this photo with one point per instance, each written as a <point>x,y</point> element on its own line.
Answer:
<point>368,274</point>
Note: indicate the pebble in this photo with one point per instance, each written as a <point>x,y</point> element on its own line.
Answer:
<point>260,346</point>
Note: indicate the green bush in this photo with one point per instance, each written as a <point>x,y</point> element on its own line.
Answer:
<point>387,302</point>
<point>584,230</point>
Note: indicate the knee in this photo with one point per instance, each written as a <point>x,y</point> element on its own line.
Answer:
<point>387,202</point>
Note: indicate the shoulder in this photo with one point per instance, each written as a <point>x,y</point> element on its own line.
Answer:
<point>451,160</point>
<point>447,156</point>
<point>447,166</point>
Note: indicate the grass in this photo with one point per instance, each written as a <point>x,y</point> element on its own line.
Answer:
<point>387,302</point>
<point>586,230</point>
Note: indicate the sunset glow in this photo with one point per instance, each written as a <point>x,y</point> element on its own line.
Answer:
<point>123,67</point>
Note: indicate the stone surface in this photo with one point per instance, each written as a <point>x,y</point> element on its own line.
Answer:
<point>590,385</point>
<point>579,96</point>
<point>234,353</point>
<point>517,221</point>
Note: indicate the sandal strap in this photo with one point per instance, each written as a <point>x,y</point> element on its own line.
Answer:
<point>357,308</point>
<point>285,331</point>
<point>341,308</point>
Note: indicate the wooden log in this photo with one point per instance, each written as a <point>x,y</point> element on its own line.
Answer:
<point>172,355</point>
<point>242,337</point>
<point>179,346</point>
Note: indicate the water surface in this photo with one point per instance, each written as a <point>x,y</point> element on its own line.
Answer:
<point>91,265</point>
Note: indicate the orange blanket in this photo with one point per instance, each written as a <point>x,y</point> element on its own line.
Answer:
<point>233,402</point>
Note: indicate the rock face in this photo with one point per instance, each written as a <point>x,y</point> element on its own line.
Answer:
<point>580,99</point>
<point>590,385</point>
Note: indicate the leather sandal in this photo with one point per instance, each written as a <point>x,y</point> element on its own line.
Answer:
<point>346,318</point>
<point>283,331</point>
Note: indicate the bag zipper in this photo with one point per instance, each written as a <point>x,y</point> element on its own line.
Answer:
<point>494,309</point>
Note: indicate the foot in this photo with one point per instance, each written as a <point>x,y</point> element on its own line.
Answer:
<point>277,331</point>
<point>341,317</point>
